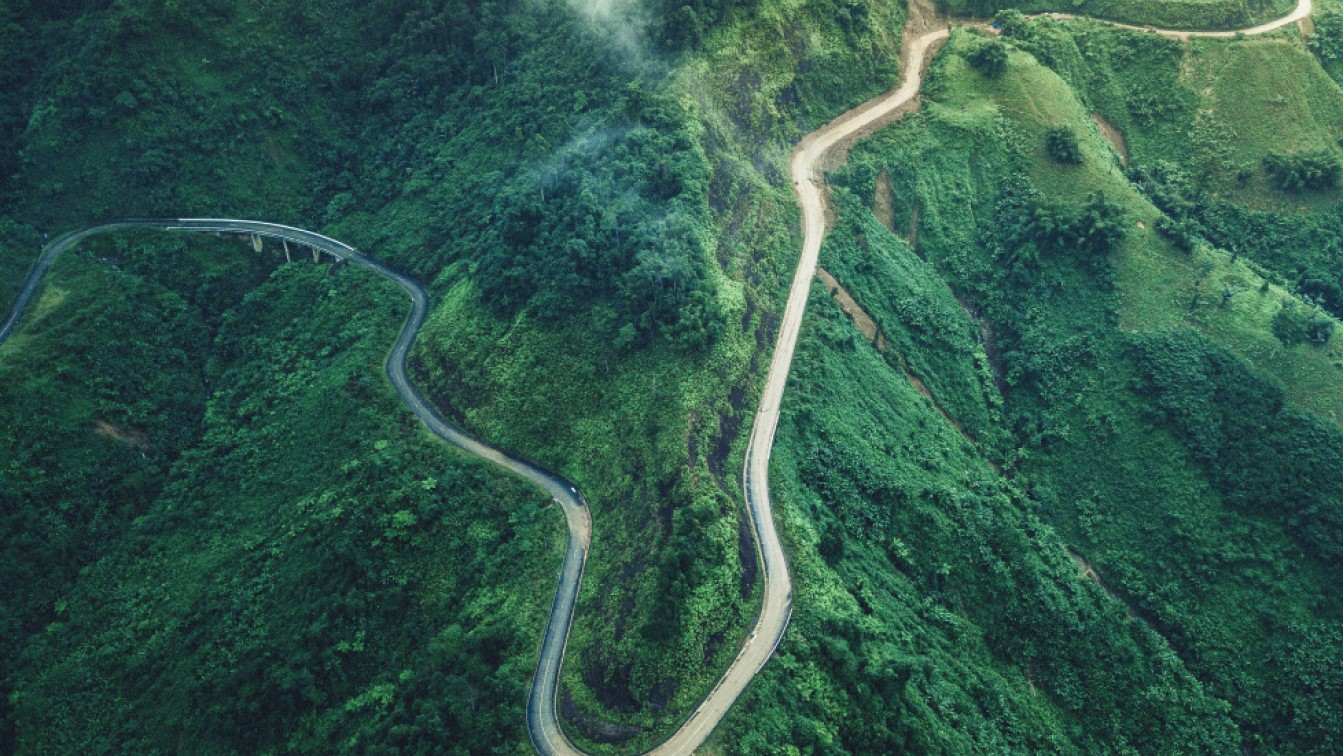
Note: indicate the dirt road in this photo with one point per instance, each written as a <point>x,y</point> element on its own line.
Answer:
<point>808,181</point>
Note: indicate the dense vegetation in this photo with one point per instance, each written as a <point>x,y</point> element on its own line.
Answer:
<point>937,612</point>
<point>1075,492</point>
<point>1152,439</point>
<point>276,561</point>
<point>546,170</point>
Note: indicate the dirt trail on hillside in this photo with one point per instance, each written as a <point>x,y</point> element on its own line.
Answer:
<point>1303,9</point>
<point>925,30</point>
<point>776,609</point>
<point>825,147</point>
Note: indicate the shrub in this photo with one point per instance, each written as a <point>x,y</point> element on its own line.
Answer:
<point>1300,171</point>
<point>1061,144</point>
<point>990,59</point>
<point>1095,229</point>
<point>1295,324</point>
<point>1327,44</point>
<point>1183,234</point>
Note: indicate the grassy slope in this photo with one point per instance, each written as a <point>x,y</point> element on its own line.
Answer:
<point>935,612</point>
<point>1262,96</point>
<point>1216,107</point>
<point>1126,489</point>
<point>1153,283</point>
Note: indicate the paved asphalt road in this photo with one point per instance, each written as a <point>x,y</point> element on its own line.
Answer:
<point>541,717</point>
<point>777,606</point>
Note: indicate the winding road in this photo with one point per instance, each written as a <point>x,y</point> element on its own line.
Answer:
<point>808,181</point>
<point>541,717</point>
<point>1303,8</point>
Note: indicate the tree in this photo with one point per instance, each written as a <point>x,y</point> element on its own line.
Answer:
<point>1327,42</point>
<point>1061,144</point>
<point>990,59</point>
<point>1295,324</point>
<point>1013,23</point>
<point>1301,171</point>
<point>1095,229</point>
<point>1099,226</point>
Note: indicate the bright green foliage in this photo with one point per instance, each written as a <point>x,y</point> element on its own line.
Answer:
<point>1327,43</point>
<point>1295,325</point>
<point>936,612</point>
<point>1265,458</point>
<point>1095,229</point>
<point>1216,107</point>
<point>1303,247</point>
<point>675,563</point>
<point>1204,501</point>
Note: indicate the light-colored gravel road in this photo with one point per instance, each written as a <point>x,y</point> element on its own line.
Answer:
<point>777,608</point>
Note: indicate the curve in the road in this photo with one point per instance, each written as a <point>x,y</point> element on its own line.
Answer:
<point>776,609</point>
<point>805,169</point>
<point>1303,8</point>
<point>542,720</point>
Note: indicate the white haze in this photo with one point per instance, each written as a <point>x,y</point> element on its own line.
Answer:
<point>620,22</point>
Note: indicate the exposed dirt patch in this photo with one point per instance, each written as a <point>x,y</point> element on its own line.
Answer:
<point>729,427</point>
<point>1306,26</point>
<point>1090,573</point>
<point>923,18</point>
<point>1087,570</point>
<point>849,305</point>
<point>594,728</point>
<point>883,202</point>
<point>746,555</point>
<point>922,388</point>
<point>1112,135</point>
<point>913,237</point>
<point>128,436</point>
<point>868,327</point>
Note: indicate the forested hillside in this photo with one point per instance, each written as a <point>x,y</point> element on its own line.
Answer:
<point>605,292</point>
<point>1057,464</point>
<point>1046,385</point>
